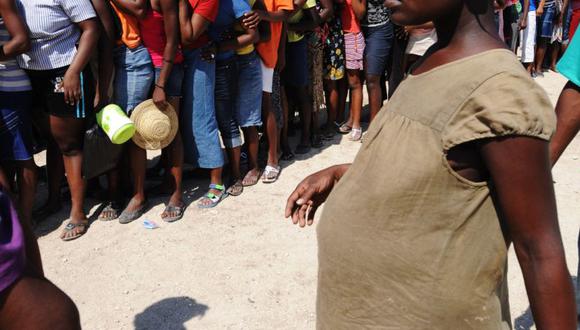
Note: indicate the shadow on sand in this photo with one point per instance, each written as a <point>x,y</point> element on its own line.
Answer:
<point>169,314</point>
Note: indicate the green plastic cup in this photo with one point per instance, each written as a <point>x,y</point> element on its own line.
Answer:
<point>115,123</point>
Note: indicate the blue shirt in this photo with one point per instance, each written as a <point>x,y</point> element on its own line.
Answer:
<point>532,5</point>
<point>228,14</point>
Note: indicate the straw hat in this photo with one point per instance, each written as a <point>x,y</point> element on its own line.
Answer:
<point>154,129</point>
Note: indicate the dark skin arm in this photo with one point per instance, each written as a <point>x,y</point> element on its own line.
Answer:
<point>519,168</point>
<point>136,8</point>
<point>249,36</point>
<point>87,43</point>
<point>19,42</point>
<point>263,26</point>
<point>360,9</point>
<point>191,26</point>
<point>327,11</point>
<point>309,22</point>
<point>523,24</point>
<point>106,45</point>
<point>563,12</point>
<point>171,26</point>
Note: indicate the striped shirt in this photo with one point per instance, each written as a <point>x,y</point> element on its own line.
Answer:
<point>53,32</point>
<point>12,77</point>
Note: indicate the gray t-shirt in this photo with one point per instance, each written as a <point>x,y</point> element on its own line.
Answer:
<point>53,32</point>
<point>377,14</point>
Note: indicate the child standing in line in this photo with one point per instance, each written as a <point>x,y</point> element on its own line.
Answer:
<point>277,12</point>
<point>353,12</point>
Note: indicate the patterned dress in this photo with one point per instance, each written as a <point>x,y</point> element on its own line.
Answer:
<point>334,58</point>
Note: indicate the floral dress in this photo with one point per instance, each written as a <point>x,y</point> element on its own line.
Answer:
<point>333,36</point>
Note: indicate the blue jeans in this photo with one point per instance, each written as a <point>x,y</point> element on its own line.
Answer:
<point>199,128</point>
<point>226,87</point>
<point>249,98</point>
<point>173,85</point>
<point>133,76</point>
<point>379,41</point>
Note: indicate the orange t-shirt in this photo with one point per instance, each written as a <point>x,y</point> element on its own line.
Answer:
<point>130,34</point>
<point>269,50</point>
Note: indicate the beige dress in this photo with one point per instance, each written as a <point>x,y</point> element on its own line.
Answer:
<point>405,242</point>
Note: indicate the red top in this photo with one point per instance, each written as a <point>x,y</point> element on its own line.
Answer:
<point>154,39</point>
<point>349,21</point>
<point>208,9</point>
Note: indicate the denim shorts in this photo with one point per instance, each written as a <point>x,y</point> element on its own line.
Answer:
<point>249,98</point>
<point>296,71</point>
<point>379,41</point>
<point>546,22</point>
<point>15,126</point>
<point>226,88</point>
<point>133,76</point>
<point>199,128</point>
<point>174,83</point>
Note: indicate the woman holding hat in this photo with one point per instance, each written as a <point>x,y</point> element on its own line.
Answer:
<point>133,79</point>
<point>160,33</point>
<point>63,35</point>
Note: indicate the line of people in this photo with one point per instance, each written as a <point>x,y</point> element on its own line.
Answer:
<point>227,68</point>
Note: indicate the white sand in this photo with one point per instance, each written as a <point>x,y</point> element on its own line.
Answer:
<point>239,266</point>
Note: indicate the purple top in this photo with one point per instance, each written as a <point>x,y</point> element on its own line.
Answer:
<point>12,249</point>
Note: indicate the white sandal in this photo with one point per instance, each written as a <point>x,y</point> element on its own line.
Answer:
<point>271,174</point>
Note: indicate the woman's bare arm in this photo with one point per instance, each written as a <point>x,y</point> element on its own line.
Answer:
<point>136,8</point>
<point>105,52</point>
<point>191,25</point>
<point>171,28</point>
<point>19,41</point>
<point>523,193</point>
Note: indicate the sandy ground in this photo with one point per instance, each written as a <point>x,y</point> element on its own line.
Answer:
<point>239,266</point>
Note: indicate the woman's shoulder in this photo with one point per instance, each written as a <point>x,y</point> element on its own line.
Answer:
<point>504,100</point>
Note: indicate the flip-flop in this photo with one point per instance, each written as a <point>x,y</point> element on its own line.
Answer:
<point>344,129</point>
<point>236,189</point>
<point>130,216</point>
<point>72,226</point>
<point>178,210</point>
<point>213,198</point>
<point>113,207</point>
<point>271,174</point>
<point>251,180</point>
<point>356,134</point>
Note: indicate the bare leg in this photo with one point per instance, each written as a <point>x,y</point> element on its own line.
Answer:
<point>555,55</point>
<point>375,94</point>
<point>271,129</point>
<point>568,112</point>
<point>331,95</point>
<point>174,158</point>
<point>342,87</point>
<point>35,303</point>
<point>356,97</point>
<point>284,143</point>
<point>27,187</point>
<point>68,134</point>
<point>540,54</point>
<point>138,163</point>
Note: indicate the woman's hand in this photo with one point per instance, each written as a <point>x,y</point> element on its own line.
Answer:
<point>311,193</point>
<point>159,98</point>
<point>71,86</point>
<point>251,20</point>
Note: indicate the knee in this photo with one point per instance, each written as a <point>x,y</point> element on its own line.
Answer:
<point>70,148</point>
<point>373,82</point>
<point>354,83</point>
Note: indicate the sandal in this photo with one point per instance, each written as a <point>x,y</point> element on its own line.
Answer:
<point>213,198</point>
<point>84,226</point>
<point>113,209</point>
<point>128,216</point>
<point>271,174</point>
<point>236,189</point>
<point>344,129</point>
<point>356,134</point>
<point>173,209</point>
<point>251,180</point>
